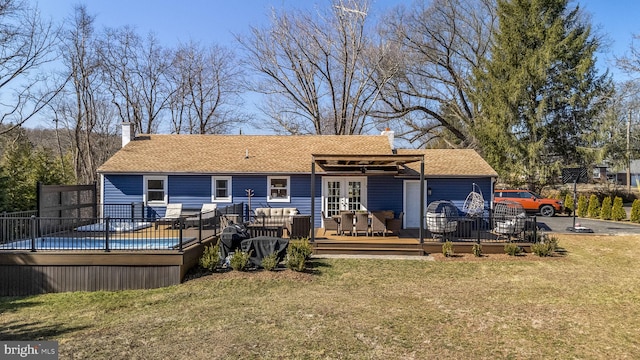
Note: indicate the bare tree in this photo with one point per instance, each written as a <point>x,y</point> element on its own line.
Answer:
<point>437,45</point>
<point>316,69</point>
<point>79,110</point>
<point>27,43</point>
<point>136,72</point>
<point>207,84</point>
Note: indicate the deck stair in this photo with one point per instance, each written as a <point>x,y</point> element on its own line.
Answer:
<point>363,247</point>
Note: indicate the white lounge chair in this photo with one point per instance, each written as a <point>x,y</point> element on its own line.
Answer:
<point>207,214</point>
<point>171,216</point>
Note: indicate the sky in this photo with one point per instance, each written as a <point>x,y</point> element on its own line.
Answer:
<point>216,21</point>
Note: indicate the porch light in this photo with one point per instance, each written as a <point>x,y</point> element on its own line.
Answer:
<point>429,191</point>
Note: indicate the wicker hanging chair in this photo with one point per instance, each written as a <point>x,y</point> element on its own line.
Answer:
<point>508,218</point>
<point>442,217</point>
<point>474,204</point>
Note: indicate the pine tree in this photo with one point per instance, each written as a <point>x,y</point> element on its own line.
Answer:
<point>582,206</point>
<point>568,203</point>
<point>594,207</point>
<point>618,212</point>
<point>605,211</point>
<point>536,91</point>
<point>635,211</point>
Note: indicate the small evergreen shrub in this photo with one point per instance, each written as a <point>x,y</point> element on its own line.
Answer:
<point>296,261</point>
<point>270,262</point>
<point>477,250</point>
<point>542,249</point>
<point>618,213</point>
<point>210,258</point>
<point>301,246</point>
<point>552,241</point>
<point>582,206</point>
<point>298,252</point>
<point>635,211</point>
<point>605,210</point>
<point>512,249</point>
<point>240,260</point>
<point>568,203</point>
<point>447,249</point>
<point>594,207</point>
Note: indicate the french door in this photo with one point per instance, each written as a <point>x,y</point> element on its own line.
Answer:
<point>344,193</point>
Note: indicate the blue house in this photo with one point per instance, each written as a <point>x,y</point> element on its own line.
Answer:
<point>314,173</point>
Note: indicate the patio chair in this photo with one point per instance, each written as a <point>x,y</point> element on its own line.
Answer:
<point>207,214</point>
<point>346,223</point>
<point>395,225</point>
<point>172,214</point>
<point>362,223</point>
<point>330,223</point>
<point>379,223</point>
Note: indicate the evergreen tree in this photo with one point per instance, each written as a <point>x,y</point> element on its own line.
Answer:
<point>582,206</point>
<point>618,212</point>
<point>594,207</point>
<point>537,91</point>
<point>568,203</point>
<point>605,211</point>
<point>635,211</point>
<point>22,166</point>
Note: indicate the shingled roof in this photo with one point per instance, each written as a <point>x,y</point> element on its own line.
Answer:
<point>449,163</point>
<point>286,154</point>
<point>203,154</point>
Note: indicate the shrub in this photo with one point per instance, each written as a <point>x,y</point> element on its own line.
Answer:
<point>477,250</point>
<point>295,261</point>
<point>618,212</point>
<point>568,203</point>
<point>605,210</point>
<point>582,206</point>
<point>298,252</point>
<point>240,260</point>
<point>301,246</point>
<point>542,249</point>
<point>210,258</point>
<point>447,249</point>
<point>635,211</point>
<point>552,241</point>
<point>270,262</point>
<point>512,249</point>
<point>594,207</point>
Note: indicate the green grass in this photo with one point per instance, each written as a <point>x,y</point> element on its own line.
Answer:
<point>581,305</point>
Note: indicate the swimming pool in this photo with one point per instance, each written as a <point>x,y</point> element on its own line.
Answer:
<point>96,243</point>
<point>116,226</point>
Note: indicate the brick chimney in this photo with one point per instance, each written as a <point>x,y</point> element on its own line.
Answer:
<point>127,133</point>
<point>391,135</point>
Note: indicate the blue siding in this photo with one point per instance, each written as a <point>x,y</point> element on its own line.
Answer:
<point>457,190</point>
<point>121,189</point>
<point>190,190</point>
<point>384,193</point>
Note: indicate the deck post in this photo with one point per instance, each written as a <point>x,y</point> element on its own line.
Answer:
<point>180,225</point>
<point>106,234</point>
<point>422,214</point>
<point>200,227</point>
<point>313,199</point>
<point>33,233</point>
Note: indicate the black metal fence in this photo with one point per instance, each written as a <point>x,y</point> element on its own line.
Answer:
<point>489,228</point>
<point>130,230</point>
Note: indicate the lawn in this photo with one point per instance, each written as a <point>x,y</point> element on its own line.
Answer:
<point>584,304</point>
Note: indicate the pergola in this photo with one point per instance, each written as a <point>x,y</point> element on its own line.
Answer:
<point>333,164</point>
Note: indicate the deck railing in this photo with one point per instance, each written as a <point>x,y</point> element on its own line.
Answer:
<point>106,234</point>
<point>487,228</point>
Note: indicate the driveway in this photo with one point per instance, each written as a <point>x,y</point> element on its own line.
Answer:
<point>559,224</point>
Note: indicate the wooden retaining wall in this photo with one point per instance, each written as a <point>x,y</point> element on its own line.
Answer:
<point>29,273</point>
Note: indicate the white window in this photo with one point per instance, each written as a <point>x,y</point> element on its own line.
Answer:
<point>278,190</point>
<point>221,189</point>
<point>155,190</point>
